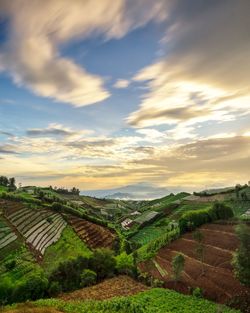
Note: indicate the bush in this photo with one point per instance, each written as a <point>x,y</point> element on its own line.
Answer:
<point>56,206</point>
<point>193,219</point>
<point>88,278</point>
<point>68,274</point>
<point>103,263</point>
<point>125,263</point>
<point>10,265</point>
<point>54,289</point>
<point>197,292</point>
<point>34,287</point>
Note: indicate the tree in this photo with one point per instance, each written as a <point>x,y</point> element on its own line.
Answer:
<point>241,260</point>
<point>178,266</point>
<point>88,278</point>
<point>12,183</point>
<point>4,181</point>
<point>200,248</point>
<point>103,263</point>
<point>237,191</point>
<point>124,263</point>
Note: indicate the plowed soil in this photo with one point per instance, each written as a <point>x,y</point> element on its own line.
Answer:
<point>114,287</point>
<point>94,235</point>
<point>218,282</point>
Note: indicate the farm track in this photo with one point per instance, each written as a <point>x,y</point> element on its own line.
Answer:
<point>94,235</point>
<point>217,282</point>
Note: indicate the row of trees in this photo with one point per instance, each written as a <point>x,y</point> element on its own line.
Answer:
<point>72,191</point>
<point>8,182</point>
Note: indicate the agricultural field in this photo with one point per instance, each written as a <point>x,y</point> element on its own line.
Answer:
<point>67,247</point>
<point>17,264</point>
<point>39,227</point>
<point>214,275</point>
<point>94,235</point>
<point>7,235</point>
<point>150,301</point>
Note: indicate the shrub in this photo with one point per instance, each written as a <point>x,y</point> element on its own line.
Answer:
<point>124,263</point>
<point>197,292</point>
<point>88,278</point>
<point>192,219</point>
<point>68,273</point>
<point>10,265</point>
<point>242,257</point>
<point>103,263</point>
<point>56,206</point>
<point>178,265</point>
<point>54,289</point>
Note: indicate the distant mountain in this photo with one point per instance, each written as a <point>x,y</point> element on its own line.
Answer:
<point>120,195</point>
<point>140,191</point>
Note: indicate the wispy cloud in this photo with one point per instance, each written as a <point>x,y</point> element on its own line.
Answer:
<point>38,28</point>
<point>204,75</point>
<point>121,83</point>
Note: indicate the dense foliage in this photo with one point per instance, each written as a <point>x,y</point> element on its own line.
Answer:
<point>152,301</point>
<point>242,256</point>
<point>196,218</point>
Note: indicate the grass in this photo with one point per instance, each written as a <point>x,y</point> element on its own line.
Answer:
<point>67,247</point>
<point>152,301</point>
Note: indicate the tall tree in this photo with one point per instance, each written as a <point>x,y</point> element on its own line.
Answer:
<point>242,257</point>
<point>200,248</point>
<point>178,263</point>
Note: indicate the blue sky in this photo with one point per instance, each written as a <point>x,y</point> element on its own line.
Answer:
<point>102,97</point>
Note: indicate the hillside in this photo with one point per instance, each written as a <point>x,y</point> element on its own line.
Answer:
<point>55,240</point>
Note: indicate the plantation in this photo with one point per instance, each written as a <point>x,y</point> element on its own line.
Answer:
<point>155,300</point>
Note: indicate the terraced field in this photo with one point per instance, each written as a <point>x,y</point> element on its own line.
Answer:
<point>218,282</point>
<point>38,227</point>
<point>7,236</point>
<point>94,235</point>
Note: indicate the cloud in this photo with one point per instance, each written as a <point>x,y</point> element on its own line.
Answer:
<point>55,130</point>
<point>121,83</point>
<point>204,72</point>
<point>6,133</point>
<point>7,149</point>
<point>39,28</point>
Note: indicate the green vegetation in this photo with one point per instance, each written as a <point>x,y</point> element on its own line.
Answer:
<point>67,247</point>
<point>152,301</point>
<point>242,256</point>
<point>178,265</point>
<point>196,218</point>
<point>149,250</point>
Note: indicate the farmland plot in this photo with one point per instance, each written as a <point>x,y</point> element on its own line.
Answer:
<point>7,236</point>
<point>39,227</point>
<point>94,235</point>
<point>214,276</point>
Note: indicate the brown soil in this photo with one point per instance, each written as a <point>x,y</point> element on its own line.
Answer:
<point>113,287</point>
<point>218,281</point>
<point>30,309</point>
<point>94,235</point>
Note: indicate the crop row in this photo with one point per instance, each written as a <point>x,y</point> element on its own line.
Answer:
<point>40,228</point>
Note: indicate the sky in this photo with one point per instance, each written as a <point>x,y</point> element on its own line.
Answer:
<point>104,94</point>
